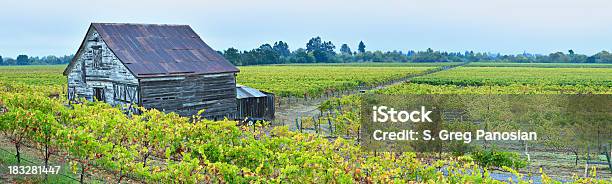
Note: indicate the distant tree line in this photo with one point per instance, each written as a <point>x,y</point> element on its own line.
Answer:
<point>320,51</point>
<point>26,60</point>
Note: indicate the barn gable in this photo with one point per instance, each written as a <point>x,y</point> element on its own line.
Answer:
<point>96,69</point>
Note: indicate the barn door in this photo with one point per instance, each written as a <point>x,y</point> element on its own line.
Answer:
<point>98,94</point>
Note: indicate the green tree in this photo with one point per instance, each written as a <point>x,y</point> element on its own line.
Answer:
<point>22,60</point>
<point>576,58</point>
<point>313,44</point>
<point>9,61</point>
<point>233,55</point>
<point>267,54</point>
<point>301,56</point>
<point>559,57</point>
<point>362,47</point>
<point>344,49</point>
<point>322,51</point>
<point>601,57</point>
<point>281,48</point>
<point>1,61</point>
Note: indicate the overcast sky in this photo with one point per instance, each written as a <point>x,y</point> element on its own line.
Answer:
<point>57,27</point>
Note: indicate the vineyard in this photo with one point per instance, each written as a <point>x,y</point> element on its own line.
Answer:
<point>315,80</point>
<point>412,88</point>
<point>540,65</point>
<point>33,75</point>
<point>298,81</point>
<point>100,144</point>
<point>158,147</point>
<point>478,76</point>
<point>560,79</point>
<point>374,64</point>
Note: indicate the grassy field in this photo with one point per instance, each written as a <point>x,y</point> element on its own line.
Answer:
<point>374,64</point>
<point>223,151</point>
<point>33,75</point>
<point>474,76</point>
<point>314,80</point>
<point>540,65</point>
<point>412,88</point>
<point>289,80</point>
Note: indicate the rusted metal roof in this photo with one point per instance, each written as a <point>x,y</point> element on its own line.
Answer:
<point>247,92</point>
<point>152,50</point>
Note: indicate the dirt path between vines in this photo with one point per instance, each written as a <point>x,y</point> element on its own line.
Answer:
<point>295,108</point>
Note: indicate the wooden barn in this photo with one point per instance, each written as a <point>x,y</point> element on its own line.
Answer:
<point>167,67</point>
<point>254,104</point>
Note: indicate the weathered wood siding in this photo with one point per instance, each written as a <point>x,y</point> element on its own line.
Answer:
<point>256,107</point>
<point>186,95</point>
<point>97,67</point>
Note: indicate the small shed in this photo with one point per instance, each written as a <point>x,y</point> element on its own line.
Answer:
<point>254,104</point>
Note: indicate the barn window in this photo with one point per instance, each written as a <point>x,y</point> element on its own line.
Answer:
<point>97,56</point>
<point>83,72</point>
<point>71,92</point>
<point>98,94</point>
<point>125,93</point>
